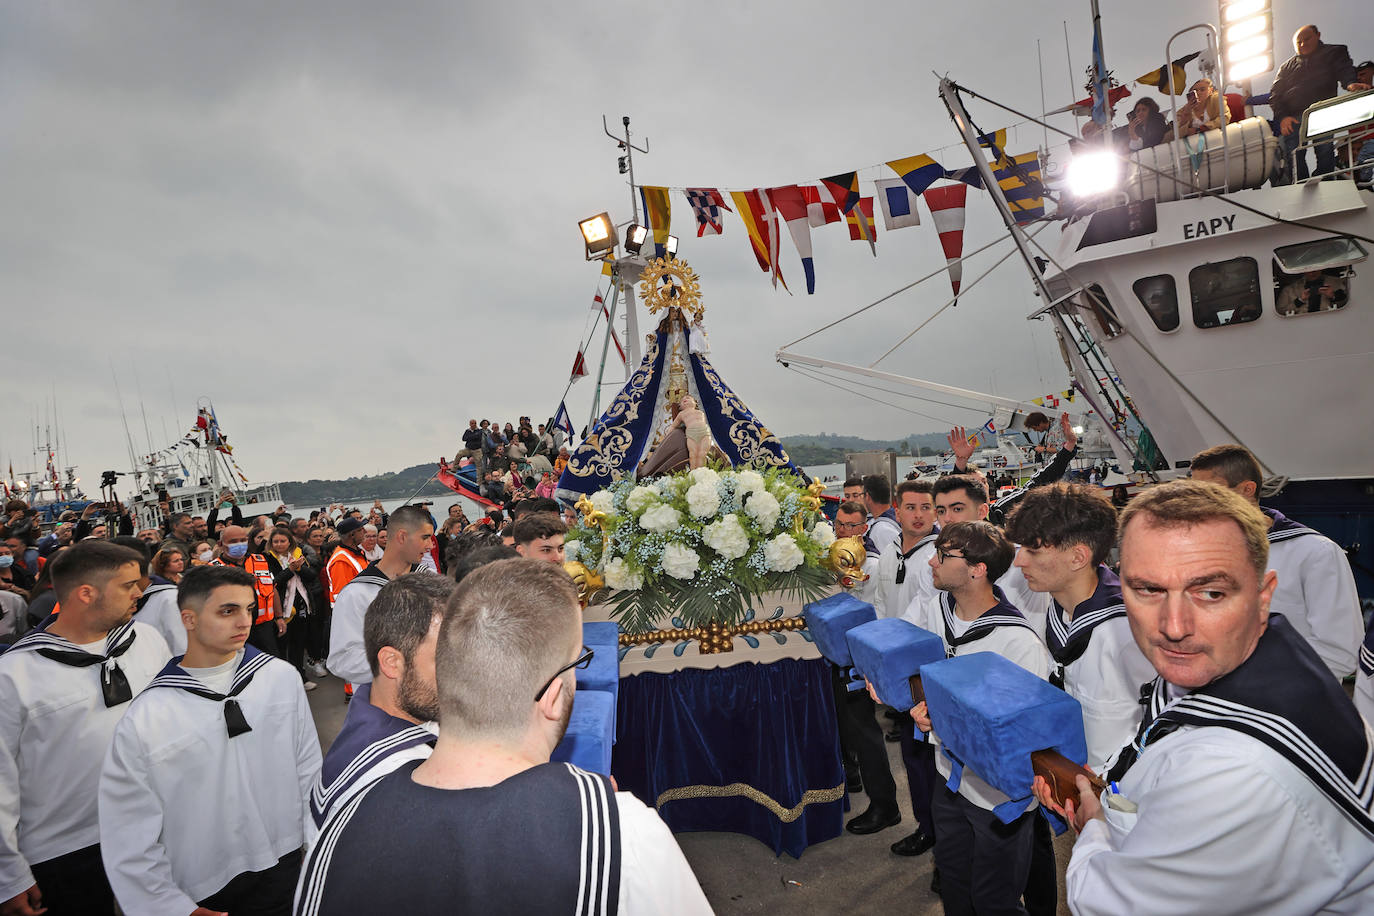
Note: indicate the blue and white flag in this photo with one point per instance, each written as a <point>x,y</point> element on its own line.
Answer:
<point>561,419</point>
<point>898,202</point>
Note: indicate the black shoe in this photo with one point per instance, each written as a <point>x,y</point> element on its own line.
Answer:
<point>913,845</point>
<point>935,881</point>
<point>873,820</point>
<point>853,782</point>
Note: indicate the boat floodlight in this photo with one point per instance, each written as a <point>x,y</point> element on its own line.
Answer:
<point>634,238</point>
<point>1241,9</point>
<point>1093,173</point>
<point>598,233</point>
<point>1245,69</point>
<point>1241,51</point>
<point>671,246</point>
<point>1326,118</point>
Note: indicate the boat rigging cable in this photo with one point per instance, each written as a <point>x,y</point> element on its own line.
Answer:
<point>832,381</point>
<point>1174,178</point>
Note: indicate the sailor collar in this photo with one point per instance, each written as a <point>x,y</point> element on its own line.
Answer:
<point>1068,641</point>
<point>253,661</point>
<point>1002,614</point>
<point>1284,528</point>
<point>114,684</point>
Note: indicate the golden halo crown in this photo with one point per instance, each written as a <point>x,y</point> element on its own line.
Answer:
<point>668,283</point>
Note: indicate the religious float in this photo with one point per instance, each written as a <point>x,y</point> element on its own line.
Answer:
<point>701,540</point>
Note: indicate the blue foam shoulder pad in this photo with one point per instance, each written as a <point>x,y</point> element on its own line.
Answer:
<point>991,714</point>
<point>888,652</point>
<point>831,618</point>
<point>588,741</point>
<point>604,671</point>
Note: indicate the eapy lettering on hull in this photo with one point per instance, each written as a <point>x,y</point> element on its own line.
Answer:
<point>1208,227</point>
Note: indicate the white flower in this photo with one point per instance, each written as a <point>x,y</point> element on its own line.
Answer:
<point>727,537</point>
<point>763,507</point>
<point>680,561</point>
<point>749,481</point>
<point>660,519</point>
<point>702,497</point>
<point>641,498</point>
<point>620,576</point>
<point>782,554</point>
<point>571,549</point>
<point>703,475</point>
<point>604,501</point>
<point>823,535</point>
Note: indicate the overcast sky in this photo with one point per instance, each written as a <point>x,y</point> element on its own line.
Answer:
<point>353,225</point>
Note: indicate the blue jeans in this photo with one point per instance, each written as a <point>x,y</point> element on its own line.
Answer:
<point>1326,158</point>
<point>1364,162</point>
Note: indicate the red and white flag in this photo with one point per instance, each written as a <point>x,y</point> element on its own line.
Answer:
<point>598,301</point>
<point>579,366</point>
<point>947,209</point>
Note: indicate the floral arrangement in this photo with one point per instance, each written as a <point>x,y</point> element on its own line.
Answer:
<point>697,545</point>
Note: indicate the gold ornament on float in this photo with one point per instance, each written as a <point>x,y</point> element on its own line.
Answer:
<point>671,283</point>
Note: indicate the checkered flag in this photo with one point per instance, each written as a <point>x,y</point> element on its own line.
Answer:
<point>707,204</point>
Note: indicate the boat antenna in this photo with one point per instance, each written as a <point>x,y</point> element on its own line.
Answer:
<point>626,163</point>
<point>128,437</point>
<point>1040,64</point>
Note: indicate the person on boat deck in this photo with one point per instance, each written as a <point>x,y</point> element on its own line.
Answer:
<point>204,792</point>
<point>1314,291</point>
<point>1316,589</point>
<point>1204,111</point>
<point>1146,125</point>
<point>1241,791</point>
<point>505,664</point>
<point>1313,75</point>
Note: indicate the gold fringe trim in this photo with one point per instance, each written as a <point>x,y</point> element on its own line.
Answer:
<point>714,637</point>
<point>786,815</point>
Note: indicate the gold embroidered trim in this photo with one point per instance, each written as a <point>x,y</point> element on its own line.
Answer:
<point>786,815</point>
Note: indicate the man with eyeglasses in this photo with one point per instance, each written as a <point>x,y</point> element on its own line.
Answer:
<point>487,823</point>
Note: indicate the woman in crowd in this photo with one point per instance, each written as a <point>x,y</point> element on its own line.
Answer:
<point>169,563</point>
<point>287,562</point>
<point>202,552</point>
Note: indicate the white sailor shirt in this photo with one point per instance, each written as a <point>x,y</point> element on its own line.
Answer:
<point>184,808</point>
<point>54,731</point>
<point>347,655</point>
<point>159,610</point>
<point>892,598</point>
<point>1316,591</point>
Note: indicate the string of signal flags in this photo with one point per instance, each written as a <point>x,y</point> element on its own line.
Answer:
<point>811,205</point>
<point>803,207</point>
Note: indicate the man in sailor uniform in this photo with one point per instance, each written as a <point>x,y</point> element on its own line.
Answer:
<point>1316,589</point>
<point>158,609</point>
<point>204,794</point>
<point>487,824</point>
<point>412,536</point>
<point>62,691</point>
<point>1249,787</point>
<point>1364,678</point>
<point>1065,532</point>
<point>883,527</point>
<point>983,862</point>
<point>394,719</point>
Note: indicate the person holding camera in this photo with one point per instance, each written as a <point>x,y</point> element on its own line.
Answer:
<point>1204,111</point>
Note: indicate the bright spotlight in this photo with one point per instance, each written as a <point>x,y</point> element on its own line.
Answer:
<point>670,246</point>
<point>1093,173</point>
<point>1245,69</point>
<point>598,234</point>
<point>1242,51</point>
<point>634,238</point>
<point>1232,12</point>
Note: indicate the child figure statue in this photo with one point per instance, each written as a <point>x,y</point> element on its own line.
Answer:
<point>693,423</point>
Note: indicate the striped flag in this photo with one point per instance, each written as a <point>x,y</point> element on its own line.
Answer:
<point>658,211</point>
<point>791,206</point>
<point>762,227</point>
<point>919,172</point>
<point>861,226</point>
<point>947,209</point>
<point>706,204</point>
<point>898,202</point>
<point>599,301</point>
<point>1019,179</point>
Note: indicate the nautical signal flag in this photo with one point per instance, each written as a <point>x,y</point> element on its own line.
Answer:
<point>861,227</point>
<point>791,206</point>
<point>1170,77</point>
<point>658,212</point>
<point>969,176</point>
<point>898,203</point>
<point>946,205</point>
<point>599,301</point>
<point>919,172</point>
<point>819,211</point>
<point>843,189</point>
<point>561,419</point>
<point>1019,179</point>
<point>762,227</point>
<point>706,205</point>
<point>995,140</point>
<point>579,368</point>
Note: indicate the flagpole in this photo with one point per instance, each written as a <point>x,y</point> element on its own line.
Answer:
<point>605,346</point>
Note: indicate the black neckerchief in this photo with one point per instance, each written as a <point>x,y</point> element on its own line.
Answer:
<point>175,676</point>
<point>114,686</point>
<point>1283,695</point>
<point>1068,641</point>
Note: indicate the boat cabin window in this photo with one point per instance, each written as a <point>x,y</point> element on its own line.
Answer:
<point>1159,295</point>
<point>1094,299</point>
<point>1225,293</point>
<point>1315,277</point>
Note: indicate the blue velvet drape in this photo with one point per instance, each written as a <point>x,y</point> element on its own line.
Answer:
<point>768,727</point>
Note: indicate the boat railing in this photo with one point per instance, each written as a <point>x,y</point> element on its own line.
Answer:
<point>1355,129</point>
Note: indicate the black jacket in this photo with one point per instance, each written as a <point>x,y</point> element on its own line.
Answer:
<point>1304,81</point>
<point>472,439</point>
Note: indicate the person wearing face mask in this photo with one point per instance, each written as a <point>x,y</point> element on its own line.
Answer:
<point>202,552</point>
<point>268,624</point>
